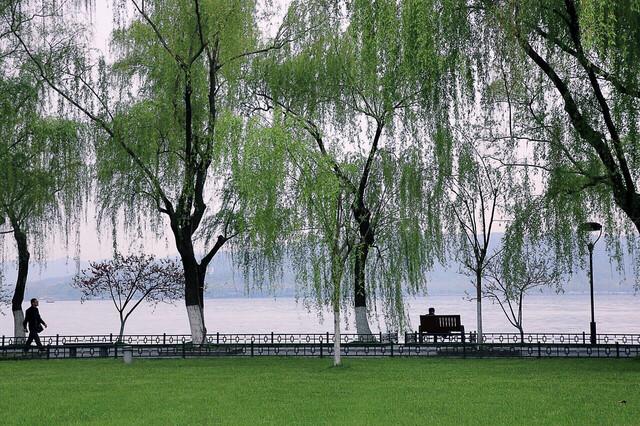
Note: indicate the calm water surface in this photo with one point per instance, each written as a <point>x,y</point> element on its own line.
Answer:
<point>615,313</point>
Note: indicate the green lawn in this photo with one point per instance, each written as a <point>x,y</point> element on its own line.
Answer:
<point>310,391</point>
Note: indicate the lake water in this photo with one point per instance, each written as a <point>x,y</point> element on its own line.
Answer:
<point>615,313</point>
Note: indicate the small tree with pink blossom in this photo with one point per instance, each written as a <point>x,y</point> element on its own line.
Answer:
<point>130,280</point>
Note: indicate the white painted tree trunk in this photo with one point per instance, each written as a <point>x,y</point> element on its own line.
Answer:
<point>479,314</point>
<point>196,324</point>
<point>479,302</point>
<point>18,328</point>
<point>336,337</point>
<point>362,322</point>
<point>121,331</point>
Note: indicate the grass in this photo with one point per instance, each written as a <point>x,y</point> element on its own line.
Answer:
<point>310,391</point>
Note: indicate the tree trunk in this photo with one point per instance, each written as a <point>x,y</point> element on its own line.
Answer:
<point>362,322</point>
<point>621,181</point>
<point>521,334</point>
<point>362,216</point>
<point>196,324</point>
<point>336,335</point>
<point>18,328</point>
<point>121,330</point>
<point>123,320</point>
<point>21,281</point>
<point>194,284</point>
<point>629,202</point>
<point>479,303</point>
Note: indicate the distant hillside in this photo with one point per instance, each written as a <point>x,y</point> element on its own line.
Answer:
<point>223,280</point>
<point>57,288</point>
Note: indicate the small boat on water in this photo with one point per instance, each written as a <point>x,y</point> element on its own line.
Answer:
<point>50,301</point>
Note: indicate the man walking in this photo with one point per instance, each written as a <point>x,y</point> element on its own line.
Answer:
<point>32,317</point>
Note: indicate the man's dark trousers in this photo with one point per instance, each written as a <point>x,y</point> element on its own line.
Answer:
<point>33,336</point>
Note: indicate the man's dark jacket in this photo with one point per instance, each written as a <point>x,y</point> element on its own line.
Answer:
<point>32,317</point>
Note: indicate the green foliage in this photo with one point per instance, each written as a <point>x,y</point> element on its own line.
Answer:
<point>42,164</point>
<point>526,253</point>
<point>391,108</point>
<point>241,159</point>
<point>368,83</point>
<point>321,243</point>
<point>566,153</point>
<point>263,214</point>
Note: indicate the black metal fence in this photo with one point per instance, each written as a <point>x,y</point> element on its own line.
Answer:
<point>530,338</point>
<point>345,338</point>
<point>217,338</point>
<point>534,345</point>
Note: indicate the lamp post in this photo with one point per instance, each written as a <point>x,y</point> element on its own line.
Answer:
<point>591,228</point>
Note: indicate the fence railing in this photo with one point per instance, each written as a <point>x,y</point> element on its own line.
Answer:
<point>345,338</point>
<point>217,338</point>
<point>361,348</point>
<point>528,338</point>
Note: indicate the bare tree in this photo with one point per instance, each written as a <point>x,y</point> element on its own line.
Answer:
<point>507,283</point>
<point>131,280</point>
<point>476,202</point>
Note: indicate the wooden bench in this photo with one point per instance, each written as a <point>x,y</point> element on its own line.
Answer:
<point>439,325</point>
<point>102,347</point>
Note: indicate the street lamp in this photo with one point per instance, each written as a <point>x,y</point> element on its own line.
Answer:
<point>591,228</point>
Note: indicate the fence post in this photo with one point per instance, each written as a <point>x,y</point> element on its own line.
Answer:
<point>183,351</point>
<point>115,352</point>
<point>164,338</point>
<point>110,337</point>
<point>3,340</point>
<point>617,350</point>
<point>217,337</point>
<point>252,348</point>
<point>48,350</point>
<point>328,337</point>
<point>57,335</point>
<point>464,347</point>
<point>321,345</point>
<point>583,338</point>
<point>539,349</point>
<point>272,337</point>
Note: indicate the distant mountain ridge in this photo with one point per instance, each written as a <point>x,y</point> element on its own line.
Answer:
<point>223,280</point>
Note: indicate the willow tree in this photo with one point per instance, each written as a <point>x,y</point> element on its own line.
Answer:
<point>42,170</point>
<point>516,273</point>
<point>367,82</point>
<point>42,158</point>
<point>169,135</point>
<point>322,243</point>
<point>579,120</point>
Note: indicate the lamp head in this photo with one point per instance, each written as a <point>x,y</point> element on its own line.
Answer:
<point>591,227</point>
